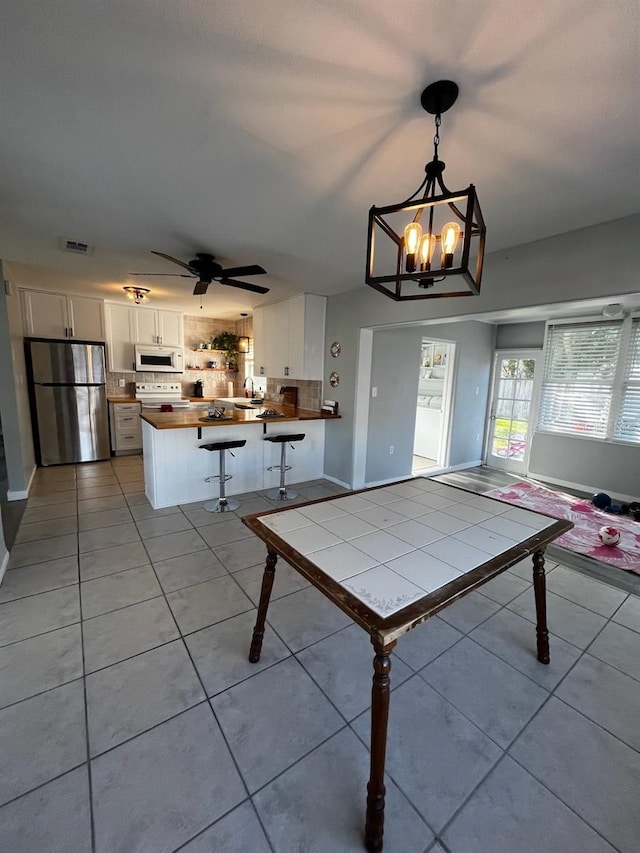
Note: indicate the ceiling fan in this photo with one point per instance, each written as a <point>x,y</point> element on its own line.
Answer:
<point>205,268</point>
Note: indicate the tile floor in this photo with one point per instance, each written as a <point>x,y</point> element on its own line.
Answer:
<point>132,722</point>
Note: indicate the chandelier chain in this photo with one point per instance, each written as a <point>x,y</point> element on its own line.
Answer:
<point>436,138</point>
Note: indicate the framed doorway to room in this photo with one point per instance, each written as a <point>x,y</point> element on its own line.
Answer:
<point>513,409</point>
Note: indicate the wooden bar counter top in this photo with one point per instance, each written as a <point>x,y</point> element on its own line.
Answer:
<point>195,418</point>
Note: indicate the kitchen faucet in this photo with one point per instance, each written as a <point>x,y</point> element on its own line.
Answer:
<point>249,379</point>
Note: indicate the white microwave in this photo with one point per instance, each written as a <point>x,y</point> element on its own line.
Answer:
<point>153,358</point>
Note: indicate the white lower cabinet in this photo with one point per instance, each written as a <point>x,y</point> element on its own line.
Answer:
<point>125,425</point>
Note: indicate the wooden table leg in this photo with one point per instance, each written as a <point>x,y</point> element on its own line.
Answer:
<point>539,588</point>
<point>374,826</point>
<point>265,595</point>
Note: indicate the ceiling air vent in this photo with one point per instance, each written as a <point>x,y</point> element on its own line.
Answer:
<point>77,247</point>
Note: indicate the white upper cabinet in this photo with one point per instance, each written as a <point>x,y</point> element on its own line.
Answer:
<point>259,352</point>
<point>306,336</point>
<point>56,315</point>
<point>86,318</point>
<point>157,327</point>
<point>170,328</point>
<point>128,325</point>
<point>276,331</point>
<point>120,337</point>
<point>288,338</point>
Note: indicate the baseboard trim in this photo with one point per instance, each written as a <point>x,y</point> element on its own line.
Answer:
<point>580,487</point>
<point>3,565</point>
<point>24,494</point>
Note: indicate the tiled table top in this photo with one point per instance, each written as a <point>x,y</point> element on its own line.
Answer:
<point>397,549</point>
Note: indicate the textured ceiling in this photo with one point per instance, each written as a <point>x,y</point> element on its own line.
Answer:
<point>263,131</point>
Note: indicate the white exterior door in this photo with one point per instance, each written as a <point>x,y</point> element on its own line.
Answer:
<point>512,413</point>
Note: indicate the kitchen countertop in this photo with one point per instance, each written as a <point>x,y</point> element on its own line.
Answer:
<point>190,399</point>
<point>190,419</point>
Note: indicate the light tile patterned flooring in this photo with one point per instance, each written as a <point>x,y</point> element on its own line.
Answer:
<point>132,722</point>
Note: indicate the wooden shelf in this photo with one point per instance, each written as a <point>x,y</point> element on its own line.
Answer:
<point>213,369</point>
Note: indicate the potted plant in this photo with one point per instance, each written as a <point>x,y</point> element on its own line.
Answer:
<point>227,343</point>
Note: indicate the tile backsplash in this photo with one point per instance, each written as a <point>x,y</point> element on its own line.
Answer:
<point>217,383</point>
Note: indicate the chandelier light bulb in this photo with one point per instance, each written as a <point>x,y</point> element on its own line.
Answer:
<point>449,237</point>
<point>427,246</point>
<point>412,236</point>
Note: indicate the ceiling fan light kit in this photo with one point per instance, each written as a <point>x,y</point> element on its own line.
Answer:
<point>422,247</point>
<point>137,294</point>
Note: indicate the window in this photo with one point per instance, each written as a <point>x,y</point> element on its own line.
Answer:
<point>627,426</point>
<point>591,380</point>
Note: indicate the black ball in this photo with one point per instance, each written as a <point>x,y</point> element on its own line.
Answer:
<point>601,500</point>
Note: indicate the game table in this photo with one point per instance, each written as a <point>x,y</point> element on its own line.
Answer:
<point>390,558</point>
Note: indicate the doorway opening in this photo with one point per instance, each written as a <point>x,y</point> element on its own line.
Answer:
<point>431,438</point>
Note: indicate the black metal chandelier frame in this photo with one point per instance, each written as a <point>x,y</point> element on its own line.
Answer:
<point>431,194</point>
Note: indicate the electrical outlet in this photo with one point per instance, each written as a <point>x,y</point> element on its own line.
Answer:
<point>477,436</point>
<point>313,444</point>
<point>477,390</point>
<point>391,449</point>
<point>374,392</point>
<point>121,383</point>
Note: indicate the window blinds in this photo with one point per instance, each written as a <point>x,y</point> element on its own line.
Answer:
<point>627,425</point>
<point>579,375</point>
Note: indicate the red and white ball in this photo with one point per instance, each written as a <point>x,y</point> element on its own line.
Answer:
<point>609,535</point>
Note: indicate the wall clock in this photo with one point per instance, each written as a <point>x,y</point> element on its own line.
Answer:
<point>336,349</point>
<point>334,379</point>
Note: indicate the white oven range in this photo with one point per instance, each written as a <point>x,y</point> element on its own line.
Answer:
<point>153,395</point>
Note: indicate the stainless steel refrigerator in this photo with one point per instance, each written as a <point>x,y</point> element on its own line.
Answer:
<point>69,401</point>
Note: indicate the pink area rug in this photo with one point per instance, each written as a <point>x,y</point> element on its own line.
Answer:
<point>587,520</point>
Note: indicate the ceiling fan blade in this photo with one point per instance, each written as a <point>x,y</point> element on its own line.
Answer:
<point>173,260</point>
<point>252,269</point>
<point>170,274</point>
<point>244,285</point>
<point>201,288</point>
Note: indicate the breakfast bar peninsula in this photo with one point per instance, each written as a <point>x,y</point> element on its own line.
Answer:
<point>175,468</point>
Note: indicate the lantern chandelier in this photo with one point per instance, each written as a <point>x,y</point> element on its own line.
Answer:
<point>137,294</point>
<point>432,238</point>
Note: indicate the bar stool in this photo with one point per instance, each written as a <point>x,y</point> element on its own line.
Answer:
<point>223,504</point>
<point>281,493</point>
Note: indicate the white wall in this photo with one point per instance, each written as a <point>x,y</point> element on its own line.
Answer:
<point>392,413</point>
<point>594,262</point>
